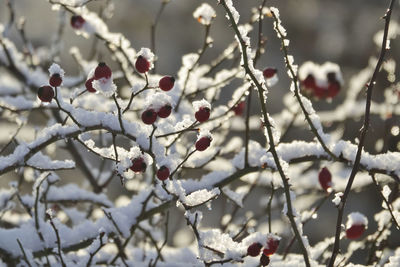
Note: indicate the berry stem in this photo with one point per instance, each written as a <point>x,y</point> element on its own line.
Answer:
<point>145,87</point>
<point>119,114</point>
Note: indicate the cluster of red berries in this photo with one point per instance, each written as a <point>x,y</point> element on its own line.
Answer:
<point>325,179</point>
<point>46,92</point>
<point>149,116</point>
<point>102,71</point>
<point>311,86</point>
<point>272,245</point>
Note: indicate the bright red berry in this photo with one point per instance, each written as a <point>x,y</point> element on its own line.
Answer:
<point>138,165</point>
<point>271,247</point>
<point>325,178</point>
<point>46,93</point>
<point>77,22</point>
<point>269,72</point>
<point>89,86</point>
<point>165,111</point>
<point>166,83</point>
<point>55,80</point>
<point>254,249</point>
<point>239,108</point>
<point>264,260</point>
<point>202,114</point>
<point>355,231</point>
<point>102,71</point>
<point>163,173</point>
<point>142,65</point>
<point>149,116</point>
<point>203,143</point>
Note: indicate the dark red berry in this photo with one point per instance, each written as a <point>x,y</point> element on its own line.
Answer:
<point>149,116</point>
<point>271,247</point>
<point>46,93</point>
<point>264,260</point>
<point>254,249</point>
<point>203,143</point>
<point>202,114</point>
<point>355,231</point>
<point>166,83</point>
<point>333,89</point>
<point>319,92</point>
<point>102,71</point>
<point>138,165</point>
<point>309,82</point>
<point>239,108</point>
<point>163,173</point>
<point>269,72</point>
<point>165,111</point>
<point>89,86</point>
<point>55,80</point>
<point>142,65</point>
<point>325,178</point>
<point>331,76</point>
<point>77,22</point>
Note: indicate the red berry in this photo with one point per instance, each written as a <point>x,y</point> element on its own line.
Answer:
<point>319,92</point>
<point>166,83</point>
<point>239,108</point>
<point>355,231</point>
<point>165,111</point>
<point>203,143</point>
<point>333,89</point>
<point>142,65</point>
<point>271,247</point>
<point>102,71</point>
<point>309,82</point>
<point>46,93</point>
<point>269,72</point>
<point>138,165</point>
<point>325,179</point>
<point>77,22</point>
<point>264,260</point>
<point>55,80</point>
<point>163,173</point>
<point>202,114</point>
<point>89,86</point>
<point>149,116</point>
<point>254,249</point>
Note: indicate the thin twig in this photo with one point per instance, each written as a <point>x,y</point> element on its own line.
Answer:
<point>363,133</point>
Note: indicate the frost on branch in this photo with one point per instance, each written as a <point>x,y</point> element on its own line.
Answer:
<point>185,156</point>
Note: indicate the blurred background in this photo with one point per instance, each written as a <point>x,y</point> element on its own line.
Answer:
<point>340,31</point>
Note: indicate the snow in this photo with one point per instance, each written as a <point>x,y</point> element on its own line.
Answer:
<point>204,14</point>
<point>337,199</point>
<point>56,69</point>
<point>201,104</point>
<point>356,218</point>
<point>105,86</point>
